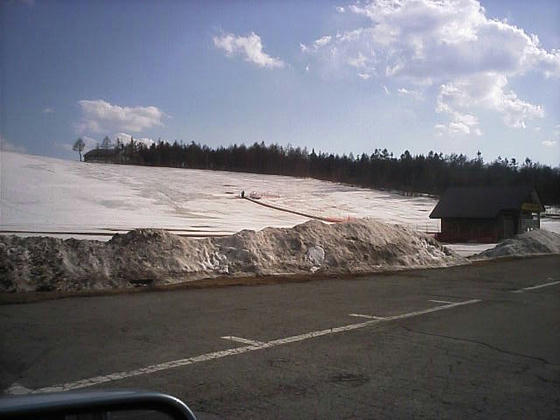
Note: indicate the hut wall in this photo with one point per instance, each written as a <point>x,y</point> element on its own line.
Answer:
<point>469,230</point>
<point>507,225</point>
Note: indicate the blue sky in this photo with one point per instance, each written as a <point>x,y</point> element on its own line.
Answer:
<point>456,76</point>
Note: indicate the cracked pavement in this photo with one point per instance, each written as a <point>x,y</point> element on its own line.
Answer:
<point>497,358</point>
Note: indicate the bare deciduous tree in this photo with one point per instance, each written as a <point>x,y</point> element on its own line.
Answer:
<point>79,147</point>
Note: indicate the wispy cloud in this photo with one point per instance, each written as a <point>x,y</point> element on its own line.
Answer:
<point>48,111</point>
<point>250,47</point>
<point>321,42</point>
<point>549,143</point>
<point>409,92</point>
<point>359,62</point>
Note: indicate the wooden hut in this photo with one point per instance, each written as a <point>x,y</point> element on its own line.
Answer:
<point>487,214</point>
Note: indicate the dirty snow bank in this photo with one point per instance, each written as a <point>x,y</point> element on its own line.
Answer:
<point>530,243</point>
<point>149,256</point>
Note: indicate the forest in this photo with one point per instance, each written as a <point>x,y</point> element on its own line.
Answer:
<point>431,173</point>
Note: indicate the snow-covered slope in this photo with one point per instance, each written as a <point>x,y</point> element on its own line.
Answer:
<point>45,194</point>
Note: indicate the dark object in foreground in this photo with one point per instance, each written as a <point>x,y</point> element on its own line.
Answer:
<point>121,404</point>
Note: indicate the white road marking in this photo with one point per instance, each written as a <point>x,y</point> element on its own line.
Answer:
<point>243,340</point>
<point>366,316</point>
<point>439,301</point>
<point>538,286</point>
<point>96,380</point>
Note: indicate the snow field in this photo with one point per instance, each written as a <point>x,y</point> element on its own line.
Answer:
<point>50,195</point>
<point>70,199</point>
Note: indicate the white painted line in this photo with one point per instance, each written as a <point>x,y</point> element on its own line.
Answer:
<point>538,286</point>
<point>439,301</point>
<point>366,316</point>
<point>96,380</point>
<point>243,340</point>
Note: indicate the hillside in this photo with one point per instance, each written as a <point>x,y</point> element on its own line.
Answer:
<point>42,194</point>
<point>431,173</point>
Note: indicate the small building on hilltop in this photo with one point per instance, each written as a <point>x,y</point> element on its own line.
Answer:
<point>487,214</point>
<point>102,156</point>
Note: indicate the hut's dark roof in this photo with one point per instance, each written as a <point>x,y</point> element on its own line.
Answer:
<point>482,202</point>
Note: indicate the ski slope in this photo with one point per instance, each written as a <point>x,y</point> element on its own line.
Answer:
<point>76,199</point>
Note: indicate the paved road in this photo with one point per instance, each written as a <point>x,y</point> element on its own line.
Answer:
<point>465,342</point>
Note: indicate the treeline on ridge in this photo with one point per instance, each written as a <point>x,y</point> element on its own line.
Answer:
<point>431,173</point>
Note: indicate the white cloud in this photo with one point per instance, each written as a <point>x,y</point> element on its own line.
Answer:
<point>364,76</point>
<point>250,47</point>
<point>549,143</point>
<point>125,138</point>
<point>321,42</point>
<point>307,68</point>
<point>340,9</point>
<point>359,62</point>
<point>386,90</point>
<point>460,124</point>
<point>409,92</point>
<point>420,38</point>
<point>48,110</point>
<point>317,45</point>
<point>99,116</point>
<point>488,91</point>
<point>6,146</point>
<point>450,43</point>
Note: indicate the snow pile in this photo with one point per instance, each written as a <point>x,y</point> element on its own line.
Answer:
<point>148,256</point>
<point>529,243</point>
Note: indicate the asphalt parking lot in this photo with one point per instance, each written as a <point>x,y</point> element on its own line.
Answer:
<point>475,341</point>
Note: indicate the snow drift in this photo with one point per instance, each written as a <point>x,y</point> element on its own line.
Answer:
<point>148,256</point>
<point>535,242</point>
